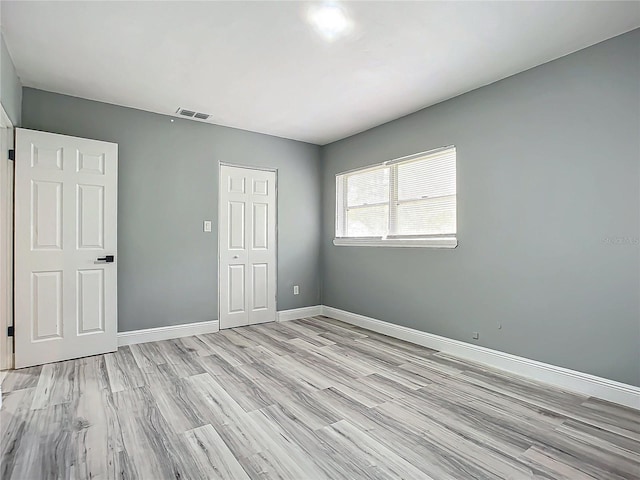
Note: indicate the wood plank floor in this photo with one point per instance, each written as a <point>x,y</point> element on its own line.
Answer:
<point>308,399</point>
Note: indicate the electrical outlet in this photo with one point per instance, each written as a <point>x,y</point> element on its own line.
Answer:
<point>296,290</point>
<point>476,335</point>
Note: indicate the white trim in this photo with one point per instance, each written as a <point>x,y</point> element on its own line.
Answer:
<point>166,333</point>
<point>436,242</point>
<point>406,158</point>
<point>296,313</point>
<point>5,121</point>
<point>249,167</point>
<point>561,377</point>
<point>6,240</point>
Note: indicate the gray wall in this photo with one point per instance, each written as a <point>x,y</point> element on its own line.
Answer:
<point>548,217</point>
<point>10,87</point>
<point>168,177</point>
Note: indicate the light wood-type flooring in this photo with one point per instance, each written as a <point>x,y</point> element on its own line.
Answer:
<point>308,399</point>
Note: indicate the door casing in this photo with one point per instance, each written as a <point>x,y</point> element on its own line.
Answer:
<point>6,240</point>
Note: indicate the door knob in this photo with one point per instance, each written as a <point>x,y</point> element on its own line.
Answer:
<point>236,256</point>
<point>106,259</point>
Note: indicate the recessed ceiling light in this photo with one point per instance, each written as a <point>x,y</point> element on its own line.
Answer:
<point>330,20</point>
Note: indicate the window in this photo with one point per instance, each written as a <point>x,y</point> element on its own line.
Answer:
<point>410,201</point>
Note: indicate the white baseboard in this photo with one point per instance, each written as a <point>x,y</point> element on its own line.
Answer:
<point>561,377</point>
<point>296,313</point>
<point>186,330</point>
<point>167,333</point>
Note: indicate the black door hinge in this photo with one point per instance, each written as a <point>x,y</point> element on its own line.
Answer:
<point>12,154</point>
<point>10,331</point>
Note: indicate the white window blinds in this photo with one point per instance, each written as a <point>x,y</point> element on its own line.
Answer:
<point>413,197</point>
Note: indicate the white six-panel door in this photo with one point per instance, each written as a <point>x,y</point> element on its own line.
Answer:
<point>65,227</point>
<point>247,243</point>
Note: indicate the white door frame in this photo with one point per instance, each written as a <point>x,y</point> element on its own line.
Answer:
<point>248,167</point>
<point>6,240</point>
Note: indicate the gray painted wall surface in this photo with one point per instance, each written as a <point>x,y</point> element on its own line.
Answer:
<point>10,86</point>
<point>168,184</point>
<point>548,177</point>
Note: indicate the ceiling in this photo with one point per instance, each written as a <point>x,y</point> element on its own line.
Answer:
<point>260,66</point>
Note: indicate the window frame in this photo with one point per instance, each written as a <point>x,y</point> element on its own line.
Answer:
<point>434,241</point>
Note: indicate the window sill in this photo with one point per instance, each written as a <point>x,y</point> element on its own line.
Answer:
<point>439,242</point>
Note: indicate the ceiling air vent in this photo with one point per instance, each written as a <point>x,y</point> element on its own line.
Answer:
<point>192,114</point>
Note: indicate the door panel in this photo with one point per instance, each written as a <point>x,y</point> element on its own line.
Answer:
<point>46,213</point>
<point>43,158</point>
<point>46,291</point>
<point>237,301</point>
<point>90,216</point>
<point>260,286</point>
<point>65,220</point>
<point>236,225</point>
<point>260,225</point>
<point>260,187</point>
<point>90,163</point>
<point>247,236</point>
<point>90,299</point>
<point>236,183</point>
